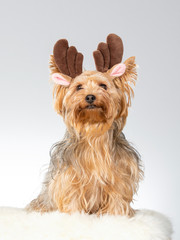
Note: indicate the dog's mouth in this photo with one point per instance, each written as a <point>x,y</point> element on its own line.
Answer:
<point>91,106</point>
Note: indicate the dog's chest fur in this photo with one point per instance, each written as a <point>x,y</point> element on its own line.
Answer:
<point>91,173</point>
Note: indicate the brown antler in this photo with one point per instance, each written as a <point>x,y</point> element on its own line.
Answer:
<point>108,54</point>
<point>68,59</point>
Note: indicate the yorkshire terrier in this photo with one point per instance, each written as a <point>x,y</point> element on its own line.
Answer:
<point>94,169</point>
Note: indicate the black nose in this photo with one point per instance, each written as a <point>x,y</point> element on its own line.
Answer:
<point>90,98</point>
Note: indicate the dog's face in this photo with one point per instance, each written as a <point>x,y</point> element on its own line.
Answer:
<point>92,101</point>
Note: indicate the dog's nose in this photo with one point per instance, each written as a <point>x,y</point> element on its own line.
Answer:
<point>90,98</point>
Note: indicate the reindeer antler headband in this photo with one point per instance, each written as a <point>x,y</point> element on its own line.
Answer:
<point>108,54</point>
<point>69,61</point>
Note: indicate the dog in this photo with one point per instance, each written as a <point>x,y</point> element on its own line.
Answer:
<point>94,169</point>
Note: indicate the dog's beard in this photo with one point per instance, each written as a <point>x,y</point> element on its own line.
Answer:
<point>90,119</point>
<point>90,114</point>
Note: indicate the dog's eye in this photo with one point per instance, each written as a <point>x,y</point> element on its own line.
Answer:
<point>79,87</point>
<point>103,86</point>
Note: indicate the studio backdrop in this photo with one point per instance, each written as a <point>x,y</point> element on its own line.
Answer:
<point>29,126</point>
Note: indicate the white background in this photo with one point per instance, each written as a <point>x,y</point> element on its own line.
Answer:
<point>28,123</point>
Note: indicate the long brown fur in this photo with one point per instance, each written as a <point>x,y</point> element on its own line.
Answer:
<point>94,169</point>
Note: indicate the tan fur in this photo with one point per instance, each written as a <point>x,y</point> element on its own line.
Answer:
<point>94,169</point>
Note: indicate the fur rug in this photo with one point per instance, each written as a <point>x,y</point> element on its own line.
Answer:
<point>145,225</point>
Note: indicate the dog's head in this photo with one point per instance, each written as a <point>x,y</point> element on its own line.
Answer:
<point>91,101</point>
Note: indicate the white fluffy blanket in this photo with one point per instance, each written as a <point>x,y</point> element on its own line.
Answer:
<point>16,224</point>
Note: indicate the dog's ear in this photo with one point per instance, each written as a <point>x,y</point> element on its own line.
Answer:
<point>61,84</point>
<point>127,79</point>
<point>108,58</point>
<point>61,79</point>
<point>124,75</point>
<point>65,64</point>
<point>118,70</point>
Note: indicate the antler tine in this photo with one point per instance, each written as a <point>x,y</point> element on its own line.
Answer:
<point>102,57</point>
<point>108,54</point>
<point>79,63</point>
<point>68,59</point>
<point>60,52</point>
<point>99,61</point>
<point>71,57</point>
<point>103,47</point>
<point>116,49</point>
